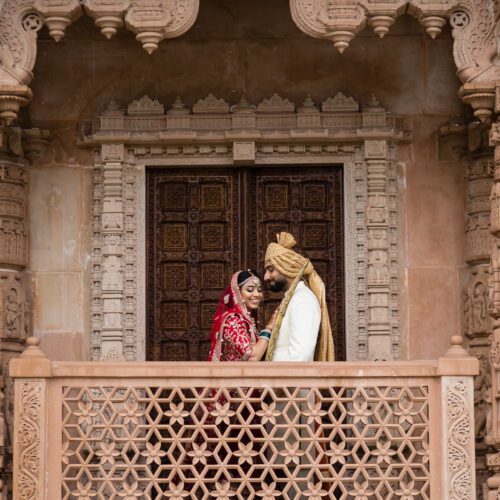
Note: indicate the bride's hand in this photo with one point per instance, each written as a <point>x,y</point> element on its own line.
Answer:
<point>272,321</point>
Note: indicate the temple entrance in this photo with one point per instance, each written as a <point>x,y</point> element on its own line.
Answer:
<point>203,224</point>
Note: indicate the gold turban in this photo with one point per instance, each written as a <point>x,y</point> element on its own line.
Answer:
<point>291,264</point>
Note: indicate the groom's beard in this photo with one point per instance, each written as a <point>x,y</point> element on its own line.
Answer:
<point>278,285</point>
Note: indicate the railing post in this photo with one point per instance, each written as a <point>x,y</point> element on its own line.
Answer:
<point>31,371</point>
<point>457,369</point>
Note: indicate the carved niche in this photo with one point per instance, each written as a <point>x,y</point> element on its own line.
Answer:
<point>275,133</point>
<point>476,318</point>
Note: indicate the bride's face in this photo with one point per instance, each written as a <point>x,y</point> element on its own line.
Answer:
<point>251,293</point>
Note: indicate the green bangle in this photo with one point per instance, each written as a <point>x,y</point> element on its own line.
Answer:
<point>265,334</point>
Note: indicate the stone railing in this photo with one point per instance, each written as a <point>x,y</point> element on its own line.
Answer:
<point>244,430</point>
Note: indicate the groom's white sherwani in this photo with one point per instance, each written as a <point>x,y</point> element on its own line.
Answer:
<point>300,326</point>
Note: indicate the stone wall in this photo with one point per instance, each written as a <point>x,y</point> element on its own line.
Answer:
<point>255,49</point>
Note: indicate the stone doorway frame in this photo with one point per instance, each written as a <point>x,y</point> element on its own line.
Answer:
<point>271,133</point>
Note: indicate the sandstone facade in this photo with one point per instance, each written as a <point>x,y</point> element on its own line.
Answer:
<point>419,146</point>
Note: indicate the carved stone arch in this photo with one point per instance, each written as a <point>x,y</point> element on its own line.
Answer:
<point>474,24</point>
<point>151,21</point>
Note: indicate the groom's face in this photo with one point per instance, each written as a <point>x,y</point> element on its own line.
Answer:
<point>275,280</point>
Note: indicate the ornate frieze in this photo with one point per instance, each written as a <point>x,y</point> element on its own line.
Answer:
<point>29,450</point>
<point>209,135</point>
<point>458,440</point>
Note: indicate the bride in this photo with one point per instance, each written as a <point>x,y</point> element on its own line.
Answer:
<point>234,335</point>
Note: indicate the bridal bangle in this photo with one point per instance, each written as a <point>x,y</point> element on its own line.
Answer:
<point>265,334</point>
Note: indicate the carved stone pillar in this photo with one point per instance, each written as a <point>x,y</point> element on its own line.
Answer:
<point>476,319</point>
<point>493,460</point>
<point>108,305</point>
<point>14,309</point>
<point>378,285</point>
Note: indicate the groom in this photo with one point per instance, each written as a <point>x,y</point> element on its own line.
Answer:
<point>302,329</point>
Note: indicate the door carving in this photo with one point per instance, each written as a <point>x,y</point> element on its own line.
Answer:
<point>203,224</point>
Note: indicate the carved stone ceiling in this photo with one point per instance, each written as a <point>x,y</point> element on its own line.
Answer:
<point>473,21</point>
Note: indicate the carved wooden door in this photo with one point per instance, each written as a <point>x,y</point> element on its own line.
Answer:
<point>193,249</point>
<point>205,224</point>
<point>306,202</point>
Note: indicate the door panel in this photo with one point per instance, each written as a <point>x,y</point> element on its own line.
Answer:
<point>308,203</point>
<point>205,224</point>
<point>193,247</point>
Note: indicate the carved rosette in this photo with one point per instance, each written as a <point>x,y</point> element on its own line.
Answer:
<point>29,441</point>
<point>458,441</point>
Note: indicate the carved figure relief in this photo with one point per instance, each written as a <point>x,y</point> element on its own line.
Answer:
<point>482,399</point>
<point>13,314</point>
<point>476,304</point>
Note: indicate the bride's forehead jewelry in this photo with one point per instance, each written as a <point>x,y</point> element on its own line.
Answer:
<point>252,280</point>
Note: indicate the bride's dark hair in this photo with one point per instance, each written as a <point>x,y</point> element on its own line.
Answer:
<point>244,275</point>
